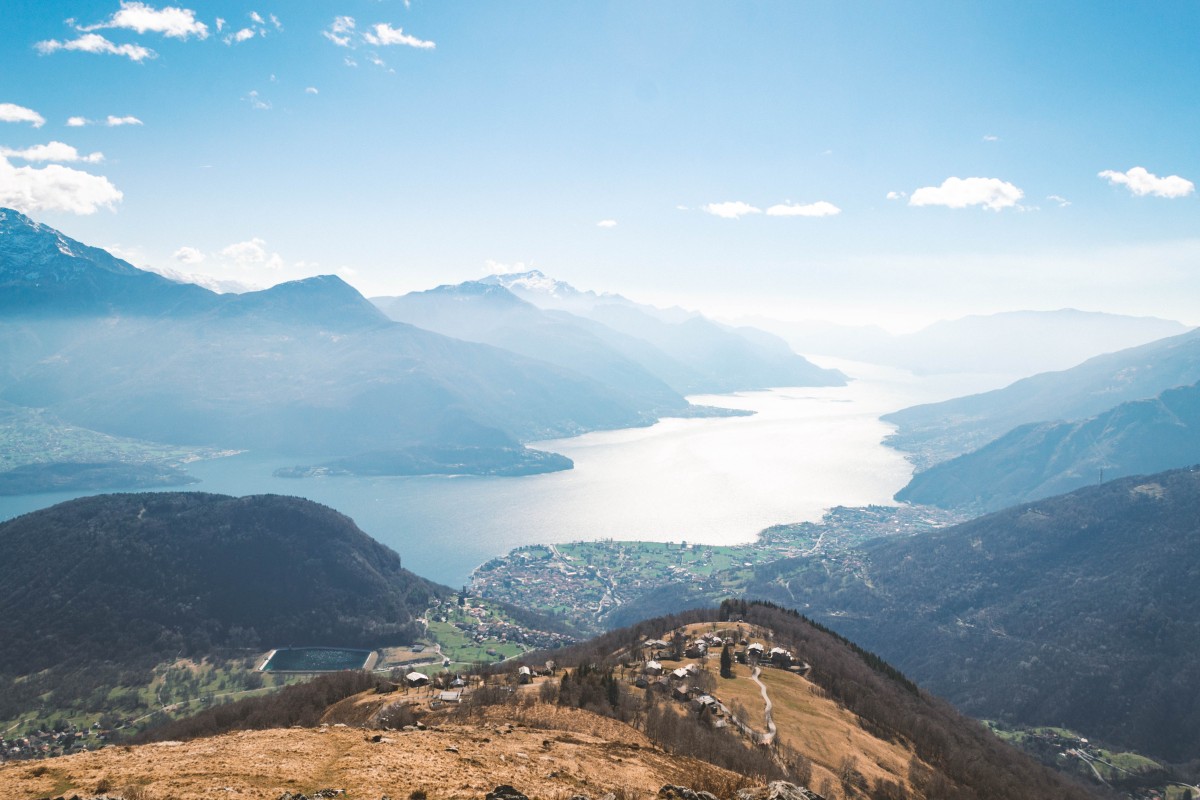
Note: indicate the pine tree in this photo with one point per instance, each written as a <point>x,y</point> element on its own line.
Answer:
<point>726,661</point>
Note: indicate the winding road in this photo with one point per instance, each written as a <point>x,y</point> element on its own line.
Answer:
<point>768,737</point>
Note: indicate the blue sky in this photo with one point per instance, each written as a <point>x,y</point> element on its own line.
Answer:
<point>739,155</point>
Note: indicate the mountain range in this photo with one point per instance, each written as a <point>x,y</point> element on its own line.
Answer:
<point>490,314</point>
<point>311,368</point>
<point>936,432</point>
<point>1043,459</point>
<point>688,351</point>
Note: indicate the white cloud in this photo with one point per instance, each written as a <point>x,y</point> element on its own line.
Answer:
<point>990,138</point>
<point>53,151</point>
<point>188,255</point>
<point>252,253</point>
<point>384,35</point>
<point>111,121</point>
<point>821,208</point>
<point>897,195</point>
<point>1143,182</point>
<point>340,31</point>
<point>732,209</point>
<point>350,62</point>
<point>257,102</point>
<point>259,28</point>
<point>54,188</point>
<point>220,24</point>
<point>95,43</point>
<point>1062,201</point>
<point>11,112</point>
<point>991,193</point>
<point>275,21</point>
<point>606,223</point>
<point>177,23</point>
<point>311,90</point>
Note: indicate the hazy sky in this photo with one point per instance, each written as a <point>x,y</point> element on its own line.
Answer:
<point>891,162</point>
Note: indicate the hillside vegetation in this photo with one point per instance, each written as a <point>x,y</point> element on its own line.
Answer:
<point>852,729</point>
<point>1080,611</point>
<point>104,586</point>
<point>949,755</point>
<point>1040,460</point>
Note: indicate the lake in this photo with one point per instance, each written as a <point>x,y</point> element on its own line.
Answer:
<point>715,481</point>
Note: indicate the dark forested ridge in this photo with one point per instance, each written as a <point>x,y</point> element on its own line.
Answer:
<point>136,576</point>
<point>1081,610</point>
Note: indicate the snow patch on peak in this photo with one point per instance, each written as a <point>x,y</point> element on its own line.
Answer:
<point>64,246</point>
<point>218,285</point>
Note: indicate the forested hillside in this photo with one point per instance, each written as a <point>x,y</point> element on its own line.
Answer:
<point>1081,610</point>
<point>103,585</point>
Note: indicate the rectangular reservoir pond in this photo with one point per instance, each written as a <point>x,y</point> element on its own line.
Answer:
<point>316,659</point>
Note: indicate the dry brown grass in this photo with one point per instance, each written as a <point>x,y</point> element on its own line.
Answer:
<point>596,756</point>
<point>816,726</point>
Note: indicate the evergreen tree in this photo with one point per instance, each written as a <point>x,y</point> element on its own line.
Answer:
<point>726,661</point>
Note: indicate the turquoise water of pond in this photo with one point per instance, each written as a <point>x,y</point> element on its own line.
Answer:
<point>315,659</point>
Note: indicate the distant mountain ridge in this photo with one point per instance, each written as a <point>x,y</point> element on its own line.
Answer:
<point>688,351</point>
<point>308,367</point>
<point>1043,459</point>
<point>939,431</point>
<point>491,314</point>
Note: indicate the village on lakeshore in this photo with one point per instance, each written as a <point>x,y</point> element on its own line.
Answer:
<point>582,582</point>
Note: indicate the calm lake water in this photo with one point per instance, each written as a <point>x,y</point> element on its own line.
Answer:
<point>716,481</point>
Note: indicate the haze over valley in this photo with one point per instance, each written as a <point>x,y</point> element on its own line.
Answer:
<point>613,401</point>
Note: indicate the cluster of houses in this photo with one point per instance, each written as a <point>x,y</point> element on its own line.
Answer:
<point>752,653</point>
<point>491,629</point>
<point>757,654</point>
<point>527,674</point>
<point>45,744</point>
